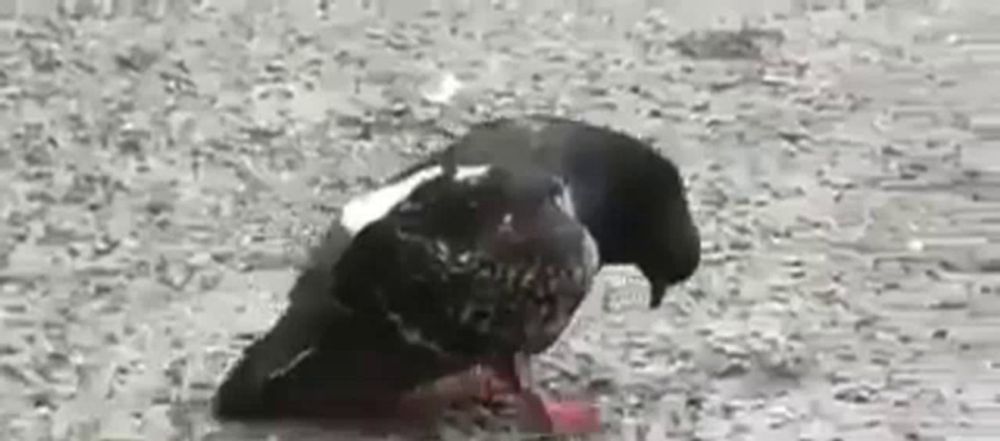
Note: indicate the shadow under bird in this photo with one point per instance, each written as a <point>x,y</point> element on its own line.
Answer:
<point>631,199</point>
<point>451,268</point>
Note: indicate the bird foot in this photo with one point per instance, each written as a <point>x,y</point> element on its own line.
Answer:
<point>537,415</point>
<point>508,386</point>
<point>572,417</point>
<point>500,395</point>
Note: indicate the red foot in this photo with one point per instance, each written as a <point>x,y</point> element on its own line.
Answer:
<point>558,418</point>
<point>485,385</point>
<point>573,417</point>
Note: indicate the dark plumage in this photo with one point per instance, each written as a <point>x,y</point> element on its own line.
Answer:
<point>631,199</point>
<point>495,262</point>
<point>249,390</point>
<point>463,270</point>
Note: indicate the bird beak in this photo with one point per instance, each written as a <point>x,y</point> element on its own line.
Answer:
<point>657,291</point>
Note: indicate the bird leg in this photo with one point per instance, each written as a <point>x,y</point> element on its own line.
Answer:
<point>502,376</point>
<point>531,410</point>
<point>505,384</point>
<point>508,384</point>
<point>522,372</point>
<point>535,414</point>
<point>484,383</point>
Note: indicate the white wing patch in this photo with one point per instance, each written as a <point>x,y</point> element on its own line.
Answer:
<point>369,207</point>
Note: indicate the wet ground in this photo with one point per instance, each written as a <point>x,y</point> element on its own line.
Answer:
<point>162,179</point>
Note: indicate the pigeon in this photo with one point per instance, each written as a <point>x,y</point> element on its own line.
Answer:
<point>452,268</point>
<point>630,198</point>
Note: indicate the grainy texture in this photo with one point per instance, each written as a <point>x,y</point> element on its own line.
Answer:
<point>158,181</point>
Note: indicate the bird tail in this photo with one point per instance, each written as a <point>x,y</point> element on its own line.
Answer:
<point>249,390</point>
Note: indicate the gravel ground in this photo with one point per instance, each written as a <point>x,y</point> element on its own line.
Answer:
<point>161,181</point>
